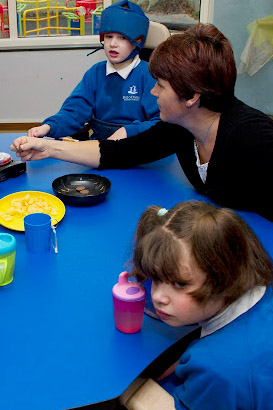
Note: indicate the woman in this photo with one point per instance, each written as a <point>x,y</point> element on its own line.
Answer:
<point>224,146</point>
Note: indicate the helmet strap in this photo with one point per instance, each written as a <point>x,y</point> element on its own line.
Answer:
<point>138,46</point>
<point>96,49</point>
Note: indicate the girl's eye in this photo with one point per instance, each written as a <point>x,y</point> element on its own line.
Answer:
<point>179,285</point>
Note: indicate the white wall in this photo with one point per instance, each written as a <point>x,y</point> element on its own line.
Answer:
<point>33,84</point>
<point>232,18</point>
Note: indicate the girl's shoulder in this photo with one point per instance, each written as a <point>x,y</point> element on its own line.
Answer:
<point>239,337</point>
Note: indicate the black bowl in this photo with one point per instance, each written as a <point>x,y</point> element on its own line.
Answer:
<point>81,189</point>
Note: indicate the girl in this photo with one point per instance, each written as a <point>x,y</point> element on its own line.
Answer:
<point>208,267</point>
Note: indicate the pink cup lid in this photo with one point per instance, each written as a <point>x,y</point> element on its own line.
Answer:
<point>128,290</point>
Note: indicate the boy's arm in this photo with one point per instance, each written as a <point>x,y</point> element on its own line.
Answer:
<point>76,110</point>
<point>40,131</point>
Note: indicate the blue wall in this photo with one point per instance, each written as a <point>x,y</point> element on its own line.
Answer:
<point>232,17</point>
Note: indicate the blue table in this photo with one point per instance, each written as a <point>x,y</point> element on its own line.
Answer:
<point>59,346</point>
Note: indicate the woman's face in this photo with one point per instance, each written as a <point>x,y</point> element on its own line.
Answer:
<point>171,107</point>
<point>173,303</point>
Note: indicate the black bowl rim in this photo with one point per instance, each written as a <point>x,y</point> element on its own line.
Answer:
<point>75,195</point>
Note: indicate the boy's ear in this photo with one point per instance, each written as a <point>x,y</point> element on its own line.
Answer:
<point>139,39</point>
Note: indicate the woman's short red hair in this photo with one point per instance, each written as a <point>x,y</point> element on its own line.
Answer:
<point>199,60</point>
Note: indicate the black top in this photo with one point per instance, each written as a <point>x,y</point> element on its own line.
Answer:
<point>240,171</point>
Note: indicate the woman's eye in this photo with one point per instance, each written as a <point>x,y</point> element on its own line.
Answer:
<point>179,285</point>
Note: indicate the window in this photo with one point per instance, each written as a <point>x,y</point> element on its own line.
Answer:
<point>30,24</point>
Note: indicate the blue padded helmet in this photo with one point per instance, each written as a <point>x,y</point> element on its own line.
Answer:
<point>126,18</point>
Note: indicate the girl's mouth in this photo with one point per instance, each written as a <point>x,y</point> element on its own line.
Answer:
<point>162,315</point>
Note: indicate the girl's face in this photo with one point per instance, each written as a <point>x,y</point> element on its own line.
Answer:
<point>172,109</point>
<point>173,303</point>
<point>117,48</point>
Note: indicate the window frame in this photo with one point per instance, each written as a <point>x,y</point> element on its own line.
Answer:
<point>14,43</point>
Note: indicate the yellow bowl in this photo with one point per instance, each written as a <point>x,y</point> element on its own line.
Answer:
<point>55,205</point>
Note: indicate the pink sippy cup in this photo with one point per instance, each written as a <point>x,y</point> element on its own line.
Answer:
<point>128,301</point>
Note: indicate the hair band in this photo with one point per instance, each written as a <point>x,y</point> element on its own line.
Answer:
<point>162,211</point>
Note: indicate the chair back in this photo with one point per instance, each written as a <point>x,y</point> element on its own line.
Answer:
<point>156,34</point>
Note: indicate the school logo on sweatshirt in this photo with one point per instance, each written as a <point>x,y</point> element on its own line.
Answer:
<point>132,94</point>
<point>133,90</point>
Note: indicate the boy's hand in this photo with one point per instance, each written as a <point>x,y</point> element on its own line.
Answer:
<point>30,149</point>
<point>41,131</point>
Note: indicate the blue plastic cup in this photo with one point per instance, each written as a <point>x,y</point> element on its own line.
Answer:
<point>40,234</point>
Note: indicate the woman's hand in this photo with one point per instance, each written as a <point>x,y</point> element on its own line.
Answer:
<point>34,149</point>
<point>31,148</point>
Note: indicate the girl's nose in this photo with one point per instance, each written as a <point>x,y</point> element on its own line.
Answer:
<point>160,294</point>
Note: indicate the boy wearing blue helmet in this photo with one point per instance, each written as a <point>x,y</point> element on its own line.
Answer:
<point>114,95</point>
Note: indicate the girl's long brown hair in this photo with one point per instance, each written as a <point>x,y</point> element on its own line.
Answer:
<point>223,245</point>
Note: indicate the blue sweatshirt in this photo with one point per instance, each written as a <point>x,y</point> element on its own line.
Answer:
<point>108,98</point>
<point>230,369</point>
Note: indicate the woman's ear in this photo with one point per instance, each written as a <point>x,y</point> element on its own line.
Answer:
<point>194,100</point>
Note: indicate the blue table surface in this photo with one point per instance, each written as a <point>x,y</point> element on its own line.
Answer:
<point>59,346</point>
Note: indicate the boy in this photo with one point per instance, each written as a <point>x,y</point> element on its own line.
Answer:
<point>114,95</point>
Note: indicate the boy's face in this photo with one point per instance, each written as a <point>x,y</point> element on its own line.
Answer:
<point>173,303</point>
<point>117,48</point>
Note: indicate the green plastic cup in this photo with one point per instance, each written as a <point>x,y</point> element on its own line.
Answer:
<point>7,258</point>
